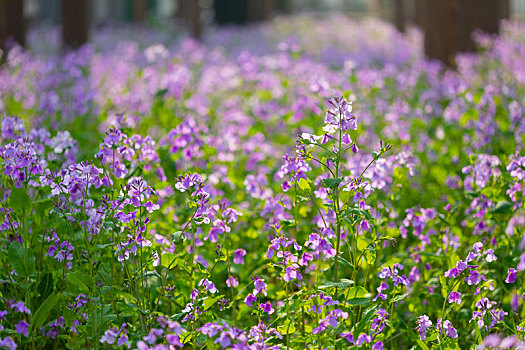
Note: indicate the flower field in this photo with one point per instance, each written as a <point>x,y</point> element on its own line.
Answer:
<point>301,184</point>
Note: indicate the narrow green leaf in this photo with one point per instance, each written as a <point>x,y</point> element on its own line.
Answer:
<point>358,301</point>
<point>367,316</point>
<point>40,316</point>
<point>422,345</point>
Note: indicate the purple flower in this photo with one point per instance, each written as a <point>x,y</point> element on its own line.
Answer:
<point>423,323</point>
<point>346,140</point>
<point>8,342</point>
<point>363,339</point>
<point>238,256</point>
<point>109,336</point>
<point>515,302</point>
<point>348,337</point>
<point>473,278</point>
<point>267,307</point>
<point>291,273</point>
<point>151,338</point>
<point>21,327</point>
<point>232,282</point>
<point>364,225</point>
<point>521,264</point>
<point>450,331</point>
<point>209,285</point>
<point>378,346</point>
<point>452,273</point>
<point>20,307</point>
<point>188,181</point>
<point>383,286</point>
<point>123,340</point>
<point>259,286</point>
<point>174,339</point>
<point>512,276</point>
<point>478,247</point>
<point>250,299</point>
<point>378,323</point>
<point>490,257</point>
<point>454,297</point>
<point>305,258</point>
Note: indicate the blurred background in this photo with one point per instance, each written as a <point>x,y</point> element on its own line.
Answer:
<point>447,25</point>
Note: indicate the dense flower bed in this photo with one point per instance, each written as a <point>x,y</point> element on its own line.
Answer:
<point>306,183</point>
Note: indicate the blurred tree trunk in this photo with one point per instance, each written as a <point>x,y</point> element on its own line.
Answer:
<point>442,29</point>
<point>449,24</point>
<point>260,10</point>
<point>189,12</point>
<point>12,22</point>
<point>230,11</point>
<point>419,13</point>
<point>195,20</point>
<point>75,24</point>
<point>504,9</point>
<point>139,10</point>
<point>373,6</point>
<point>181,10</point>
<point>283,6</point>
<point>399,15</point>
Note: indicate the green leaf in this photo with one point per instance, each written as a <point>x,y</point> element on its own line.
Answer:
<point>370,256</point>
<point>304,185</point>
<point>104,246</point>
<point>45,286</point>
<point>443,282</point>
<point>177,237</point>
<point>286,328</point>
<point>209,302</point>
<point>343,283</point>
<point>20,201</point>
<point>221,258</point>
<point>503,207</point>
<point>344,262</point>
<point>399,297</point>
<point>367,316</point>
<point>357,292</point>
<point>41,208</point>
<point>359,213</point>
<point>422,345</point>
<point>358,301</point>
<point>15,254</point>
<point>201,338</point>
<point>168,260</point>
<point>40,316</point>
<point>81,280</point>
<point>451,344</point>
<point>333,184</point>
<point>136,307</point>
